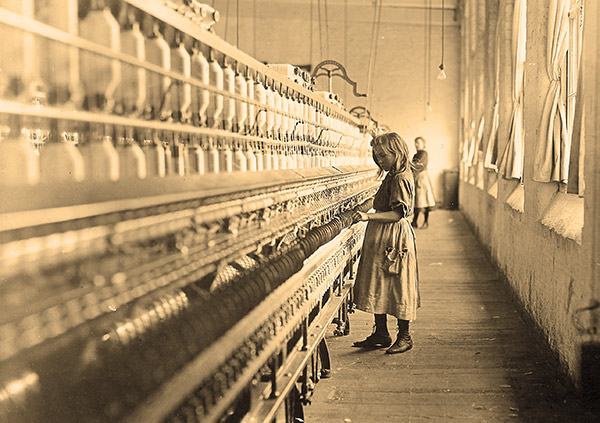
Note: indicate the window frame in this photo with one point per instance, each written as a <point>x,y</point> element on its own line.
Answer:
<point>572,70</point>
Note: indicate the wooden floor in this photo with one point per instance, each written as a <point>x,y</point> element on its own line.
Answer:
<point>474,358</point>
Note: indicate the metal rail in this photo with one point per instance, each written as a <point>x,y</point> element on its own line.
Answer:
<point>16,108</point>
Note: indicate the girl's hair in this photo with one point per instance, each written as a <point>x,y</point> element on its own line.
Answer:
<point>393,143</point>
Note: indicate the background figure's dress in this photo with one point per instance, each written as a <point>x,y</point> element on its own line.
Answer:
<point>387,280</point>
<point>423,189</point>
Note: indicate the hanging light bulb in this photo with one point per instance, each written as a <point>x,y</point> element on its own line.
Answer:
<point>429,108</point>
<point>442,73</point>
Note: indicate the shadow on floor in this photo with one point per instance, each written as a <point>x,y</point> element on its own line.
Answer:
<point>475,359</point>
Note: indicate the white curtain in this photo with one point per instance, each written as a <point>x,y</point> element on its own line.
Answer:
<point>490,157</point>
<point>467,144</point>
<point>468,124</point>
<point>511,164</point>
<point>476,143</point>
<point>575,107</point>
<point>553,148</point>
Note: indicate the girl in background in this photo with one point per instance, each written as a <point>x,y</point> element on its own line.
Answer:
<point>387,277</point>
<point>424,199</point>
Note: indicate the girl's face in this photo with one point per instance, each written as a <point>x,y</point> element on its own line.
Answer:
<point>384,160</point>
<point>419,144</point>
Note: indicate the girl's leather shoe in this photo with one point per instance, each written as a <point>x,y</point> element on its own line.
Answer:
<point>374,341</point>
<point>402,344</point>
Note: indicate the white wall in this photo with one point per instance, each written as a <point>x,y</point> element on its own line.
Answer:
<point>552,272</point>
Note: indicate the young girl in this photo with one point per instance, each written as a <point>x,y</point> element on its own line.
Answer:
<point>387,278</point>
<point>424,199</point>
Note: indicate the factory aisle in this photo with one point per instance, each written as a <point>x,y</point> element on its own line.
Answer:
<point>474,360</point>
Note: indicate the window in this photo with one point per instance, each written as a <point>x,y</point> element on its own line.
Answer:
<point>559,152</point>
<point>511,163</point>
<point>574,106</point>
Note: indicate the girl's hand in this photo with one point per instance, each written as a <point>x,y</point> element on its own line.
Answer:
<point>359,216</point>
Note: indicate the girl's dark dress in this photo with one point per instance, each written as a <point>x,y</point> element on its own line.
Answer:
<point>423,189</point>
<point>387,280</point>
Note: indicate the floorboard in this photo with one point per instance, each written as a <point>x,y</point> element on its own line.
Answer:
<point>474,358</point>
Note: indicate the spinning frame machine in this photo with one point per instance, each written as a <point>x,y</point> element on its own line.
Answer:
<point>175,220</point>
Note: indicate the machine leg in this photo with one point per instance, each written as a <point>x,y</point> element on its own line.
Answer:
<point>342,321</point>
<point>304,394</point>
<point>346,319</point>
<point>274,366</point>
<point>325,359</point>
<point>294,412</point>
<point>305,334</point>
